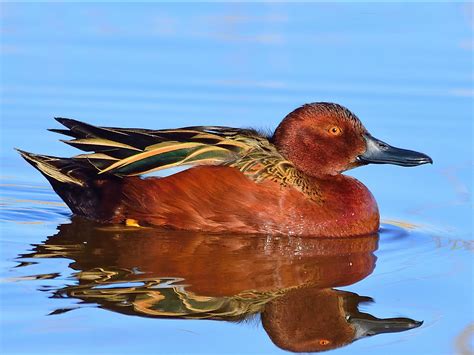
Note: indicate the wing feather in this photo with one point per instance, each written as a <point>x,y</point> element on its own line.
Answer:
<point>134,151</point>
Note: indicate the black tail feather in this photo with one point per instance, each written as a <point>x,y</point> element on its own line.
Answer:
<point>78,129</point>
<point>76,182</point>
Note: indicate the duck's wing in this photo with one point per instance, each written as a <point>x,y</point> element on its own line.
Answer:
<point>129,151</point>
<point>125,152</point>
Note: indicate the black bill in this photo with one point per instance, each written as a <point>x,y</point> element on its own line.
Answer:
<point>368,326</point>
<point>379,152</point>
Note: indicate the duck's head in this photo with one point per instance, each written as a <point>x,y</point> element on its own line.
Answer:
<point>326,139</point>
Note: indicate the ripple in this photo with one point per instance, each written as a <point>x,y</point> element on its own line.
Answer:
<point>30,204</point>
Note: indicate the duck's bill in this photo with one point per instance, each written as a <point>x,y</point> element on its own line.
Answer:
<point>379,152</point>
<point>368,326</point>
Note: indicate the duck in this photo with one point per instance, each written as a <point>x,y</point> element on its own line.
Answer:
<point>238,180</point>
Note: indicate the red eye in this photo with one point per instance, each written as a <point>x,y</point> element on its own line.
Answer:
<point>324,342</point>
<point>335,130</point>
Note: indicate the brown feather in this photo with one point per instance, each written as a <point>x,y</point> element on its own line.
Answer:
<point>206,198</point>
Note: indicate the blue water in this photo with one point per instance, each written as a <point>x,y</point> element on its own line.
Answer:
<point>404,69</point>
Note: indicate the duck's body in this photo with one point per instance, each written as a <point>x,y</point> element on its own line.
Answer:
<point>242,181</point>
<point>222,199</point>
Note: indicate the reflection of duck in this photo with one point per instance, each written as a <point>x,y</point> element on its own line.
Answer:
<point>176,274</point>
<point>287,183</point>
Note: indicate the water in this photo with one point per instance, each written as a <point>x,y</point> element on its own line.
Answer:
<point>405,70</point>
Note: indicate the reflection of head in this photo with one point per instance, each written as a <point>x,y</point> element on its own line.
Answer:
<point>310,320</point>
<point>307,320</point>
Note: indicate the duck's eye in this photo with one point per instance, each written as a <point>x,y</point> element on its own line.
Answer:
<point>324,342</point>
<point>335,130</point>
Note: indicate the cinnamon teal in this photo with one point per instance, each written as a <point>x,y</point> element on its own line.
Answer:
<point>240,180</point>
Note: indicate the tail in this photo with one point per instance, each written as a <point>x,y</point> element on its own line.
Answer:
<point>76,182</point>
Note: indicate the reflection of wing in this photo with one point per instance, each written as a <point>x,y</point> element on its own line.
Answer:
<point>165,297</point>
<point>126,152</point>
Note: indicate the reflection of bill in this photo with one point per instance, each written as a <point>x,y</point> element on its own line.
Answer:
<point>288,281</point>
